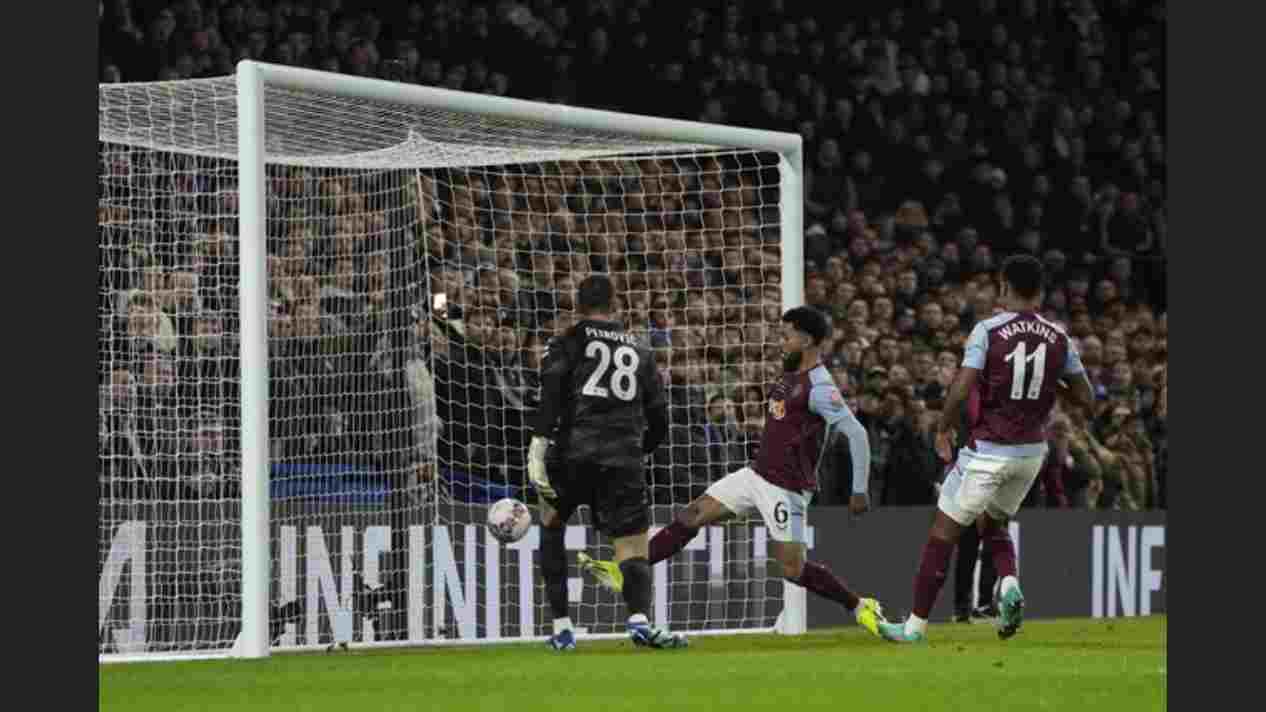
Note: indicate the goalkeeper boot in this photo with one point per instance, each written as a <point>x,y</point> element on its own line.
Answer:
<point>896,633</point>
<point>563,640</point>
<point>869,615</point>
<point>1010,611</point>
<point>607,573</point>
<point>645,635</point>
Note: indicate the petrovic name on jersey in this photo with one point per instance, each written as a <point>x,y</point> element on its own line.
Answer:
<point>592,333</point>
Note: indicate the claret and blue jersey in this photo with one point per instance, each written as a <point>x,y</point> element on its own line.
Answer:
<point>806,411</point>
<point>1021,358</point>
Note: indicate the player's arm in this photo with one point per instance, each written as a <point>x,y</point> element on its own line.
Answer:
<point>555,369</point>
<point>655,405</point>
<point>826,401</point>
<point>951,412</point>
<point>1077,383</point>
<point>964,381</point>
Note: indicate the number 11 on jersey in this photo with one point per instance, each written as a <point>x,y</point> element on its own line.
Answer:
<point>1020,359</point>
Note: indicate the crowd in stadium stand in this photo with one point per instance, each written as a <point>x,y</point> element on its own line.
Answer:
<point>939,138</point>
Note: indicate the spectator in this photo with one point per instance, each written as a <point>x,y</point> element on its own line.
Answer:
<point>158,430</point>
<point>726,444</point>
<point>148,326</point>
<point>944,149</point>
<point>907,463</point>
<point>830,188</point>
<point>211,472</point>
<point>118,447</point>
<point>427,425</point>
<point>208,369</point>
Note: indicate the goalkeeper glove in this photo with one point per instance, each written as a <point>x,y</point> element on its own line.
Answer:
<point>536,467</point>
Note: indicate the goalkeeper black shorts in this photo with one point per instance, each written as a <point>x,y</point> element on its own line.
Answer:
<point>617,498</point>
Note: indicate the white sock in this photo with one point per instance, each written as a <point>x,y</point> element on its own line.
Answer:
<point>1008,583</point>
<point>915,624</point>
<point>638,619</point>
<point>562,624</point>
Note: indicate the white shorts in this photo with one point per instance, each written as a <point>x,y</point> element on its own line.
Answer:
<point>785,513</point>
<point>995,481</point>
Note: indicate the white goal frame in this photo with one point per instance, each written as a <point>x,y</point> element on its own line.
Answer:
<point>252,77</point>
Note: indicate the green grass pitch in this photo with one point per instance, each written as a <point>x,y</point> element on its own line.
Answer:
<point>1107,664</point>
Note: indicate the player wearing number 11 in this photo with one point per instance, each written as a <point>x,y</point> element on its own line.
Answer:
<point>1014,362</point>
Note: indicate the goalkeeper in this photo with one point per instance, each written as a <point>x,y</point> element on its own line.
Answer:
<point>602,399</point>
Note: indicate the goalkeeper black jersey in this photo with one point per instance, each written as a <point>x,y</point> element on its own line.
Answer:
<point>602,399</point>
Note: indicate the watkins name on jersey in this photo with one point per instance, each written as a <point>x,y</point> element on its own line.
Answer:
<point>1028,327</point>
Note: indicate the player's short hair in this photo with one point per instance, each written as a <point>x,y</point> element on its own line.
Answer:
<point>595,294</point>
<point>1024,274</point>
<point>810,321</point>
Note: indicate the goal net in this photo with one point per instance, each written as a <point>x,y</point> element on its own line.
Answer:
<point>418,255</point>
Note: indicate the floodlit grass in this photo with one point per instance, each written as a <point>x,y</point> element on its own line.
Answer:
<point>1113,664</point>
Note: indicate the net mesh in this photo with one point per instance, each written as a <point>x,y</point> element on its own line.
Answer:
<point>418,260</point>
<point>307,128</point>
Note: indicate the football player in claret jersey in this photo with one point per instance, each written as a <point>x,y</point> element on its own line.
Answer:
<point>603,402</point>
<point>805,411</point>
<point>1015,363</point>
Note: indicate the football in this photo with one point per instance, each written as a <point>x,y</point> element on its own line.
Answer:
<point>508,520</point>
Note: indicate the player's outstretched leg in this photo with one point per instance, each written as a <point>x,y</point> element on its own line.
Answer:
<point>670,540</point>
<point>819,579</point>
<point>1010,600</point>
<point>664,545</point>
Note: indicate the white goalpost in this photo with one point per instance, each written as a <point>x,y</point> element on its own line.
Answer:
<point>322,301</point>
